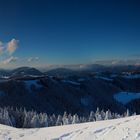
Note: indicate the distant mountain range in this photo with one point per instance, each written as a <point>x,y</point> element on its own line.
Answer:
<point>82,69</point>
<point>92,68</point>
<point>60,90</point>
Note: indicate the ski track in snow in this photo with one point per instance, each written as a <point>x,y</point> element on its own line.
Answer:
<point>118,129</point>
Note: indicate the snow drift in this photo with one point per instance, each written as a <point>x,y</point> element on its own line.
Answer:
<point>119,129</point>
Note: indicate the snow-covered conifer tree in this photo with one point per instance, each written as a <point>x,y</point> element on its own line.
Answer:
<point>91,117</point>
<point>75,119</point>
<point>35,123</point>
<point>108,115</point>
<point>59,120</point>
<point>65,119</point>
<point>127,113</point>
<point>43,118</point>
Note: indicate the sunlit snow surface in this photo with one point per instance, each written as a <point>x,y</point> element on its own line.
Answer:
<point>125,97</point>
<point>119,129</point>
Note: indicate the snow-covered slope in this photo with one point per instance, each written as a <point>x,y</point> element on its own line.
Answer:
<point>126,97</point>
<point>119,129</point>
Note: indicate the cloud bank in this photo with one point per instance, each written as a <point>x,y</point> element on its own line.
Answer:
<point>10,59</point>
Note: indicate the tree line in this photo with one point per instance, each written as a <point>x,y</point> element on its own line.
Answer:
<point>21,118</point>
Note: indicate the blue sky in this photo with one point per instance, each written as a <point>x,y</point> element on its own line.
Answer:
<point>68,31</point>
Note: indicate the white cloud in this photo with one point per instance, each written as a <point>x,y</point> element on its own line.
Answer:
<point>119,62</point>
<point>12,46</point>
<point>9,48</point>
<point>31,59</point>
<point>6,51</point>
<point>9,60</point>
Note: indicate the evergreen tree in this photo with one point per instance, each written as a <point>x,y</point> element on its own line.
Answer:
<point>35,123</point>
<point>59,120</point>
<point>108,115</point>
<point>43,118</point>
<point>70,119</point>
<point>127,113</point>
<point>75,119</point>
<point>98,115</point>
<point>65,119</point>
<point>91,117</point>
